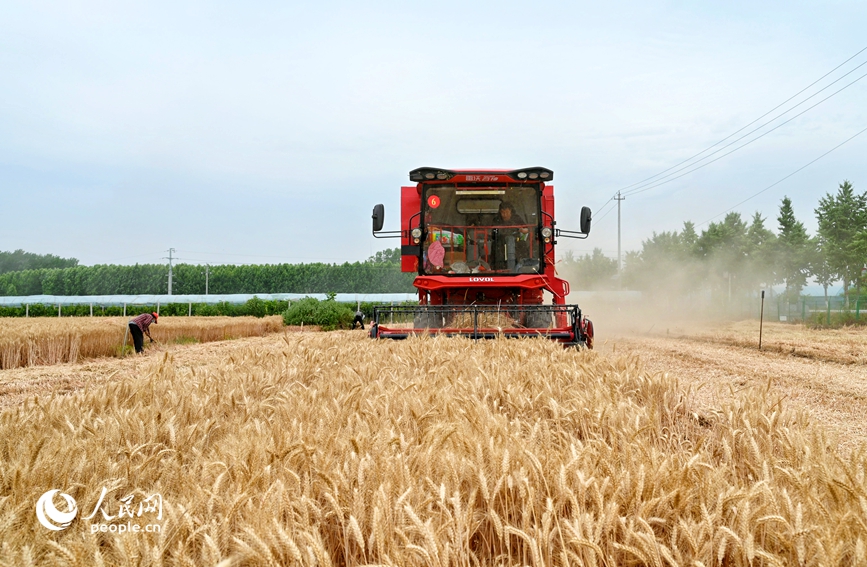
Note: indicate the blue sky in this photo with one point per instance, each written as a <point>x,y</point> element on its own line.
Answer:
<point>240,133</point>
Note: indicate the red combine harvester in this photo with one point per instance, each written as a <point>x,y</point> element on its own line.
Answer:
<point>482,243</point>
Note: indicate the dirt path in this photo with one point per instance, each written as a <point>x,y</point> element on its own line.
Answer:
<point>834,393</point>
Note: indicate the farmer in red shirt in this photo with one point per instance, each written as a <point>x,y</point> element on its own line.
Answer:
<point>139,325</point>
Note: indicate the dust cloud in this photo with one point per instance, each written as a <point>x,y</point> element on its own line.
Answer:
<point>669,299</point>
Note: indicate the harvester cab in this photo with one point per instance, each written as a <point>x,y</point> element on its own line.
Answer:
<point>482,243</point>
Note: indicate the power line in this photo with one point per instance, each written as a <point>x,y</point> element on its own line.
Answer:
<point>602,216</point>
<point>655,184</point>
<point>786,177</point>
<point>135,256</point>
<point>759,118</point>
<point>611,200</point>
<point>261,256</point>
<point>635,192</point>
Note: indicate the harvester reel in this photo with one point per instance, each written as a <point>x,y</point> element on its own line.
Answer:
<point>538,320</point>
<point>427,320</point>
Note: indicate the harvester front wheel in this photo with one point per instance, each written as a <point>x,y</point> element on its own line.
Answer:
<point>588,333</point>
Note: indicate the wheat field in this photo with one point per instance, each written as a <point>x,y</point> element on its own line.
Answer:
<point>332,449</point>
<point>39,341</point>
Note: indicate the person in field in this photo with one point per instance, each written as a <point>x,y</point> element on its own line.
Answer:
<point>359,318</point>
<point>140,326</point>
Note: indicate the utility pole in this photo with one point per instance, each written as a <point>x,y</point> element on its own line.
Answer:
<point>207,268</point>
<point>171,251</point>
<point>618,198</point>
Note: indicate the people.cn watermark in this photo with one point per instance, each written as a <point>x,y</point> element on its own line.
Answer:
<point>127,519</point>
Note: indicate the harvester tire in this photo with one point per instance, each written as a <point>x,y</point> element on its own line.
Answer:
<point>588,333</point>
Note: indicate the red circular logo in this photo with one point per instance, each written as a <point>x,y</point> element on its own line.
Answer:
<point>433,201</point>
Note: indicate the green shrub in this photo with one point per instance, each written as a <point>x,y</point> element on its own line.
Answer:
<point>839,319</point>
<point>328,314</point>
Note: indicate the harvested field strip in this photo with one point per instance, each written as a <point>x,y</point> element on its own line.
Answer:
<point>38,341</point>
<point>844,346</point>
<point>331,449</point>
<point>835,394</point>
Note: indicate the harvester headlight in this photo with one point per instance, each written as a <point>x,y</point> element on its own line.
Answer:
<point>532,174</point>
<point>430,173</point>
<point>416,235</point>
<point>546,234</point>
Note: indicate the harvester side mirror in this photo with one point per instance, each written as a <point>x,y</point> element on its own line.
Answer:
<point>586,218</point>
<point>378,217</point>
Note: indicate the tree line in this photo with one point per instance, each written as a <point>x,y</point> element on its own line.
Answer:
<point>737,256</point>
<point>20,260</point>
<point>378,274</point>
<point>733,257</point>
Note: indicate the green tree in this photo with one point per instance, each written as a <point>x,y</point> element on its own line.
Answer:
<point>666,263</point>
<point>328,314</point>
<point>20,260</point>
<point>724,248</point>
<point>633,276</point>
<point>819,267</point>
<point>590,271</point>
<point>793,251</point>
<point>860,246</point>
<point>688,239</point>
<point>760,251</point>
<point>842,219</point>
<point>389,256</point>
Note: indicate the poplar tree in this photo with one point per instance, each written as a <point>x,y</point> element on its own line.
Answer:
<point>792,250</point>
<point>20,260</point>
<point>842,220</point>
<point>724,248</point>
<point>819,267</point>
<point>760,244</point>
<point>590,271</point>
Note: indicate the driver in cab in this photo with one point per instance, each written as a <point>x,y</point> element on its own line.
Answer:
<point>507,217</point>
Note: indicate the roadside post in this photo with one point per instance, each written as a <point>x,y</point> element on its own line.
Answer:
<point>761,319</point>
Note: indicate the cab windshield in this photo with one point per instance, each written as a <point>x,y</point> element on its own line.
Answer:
<point>473,230</point>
